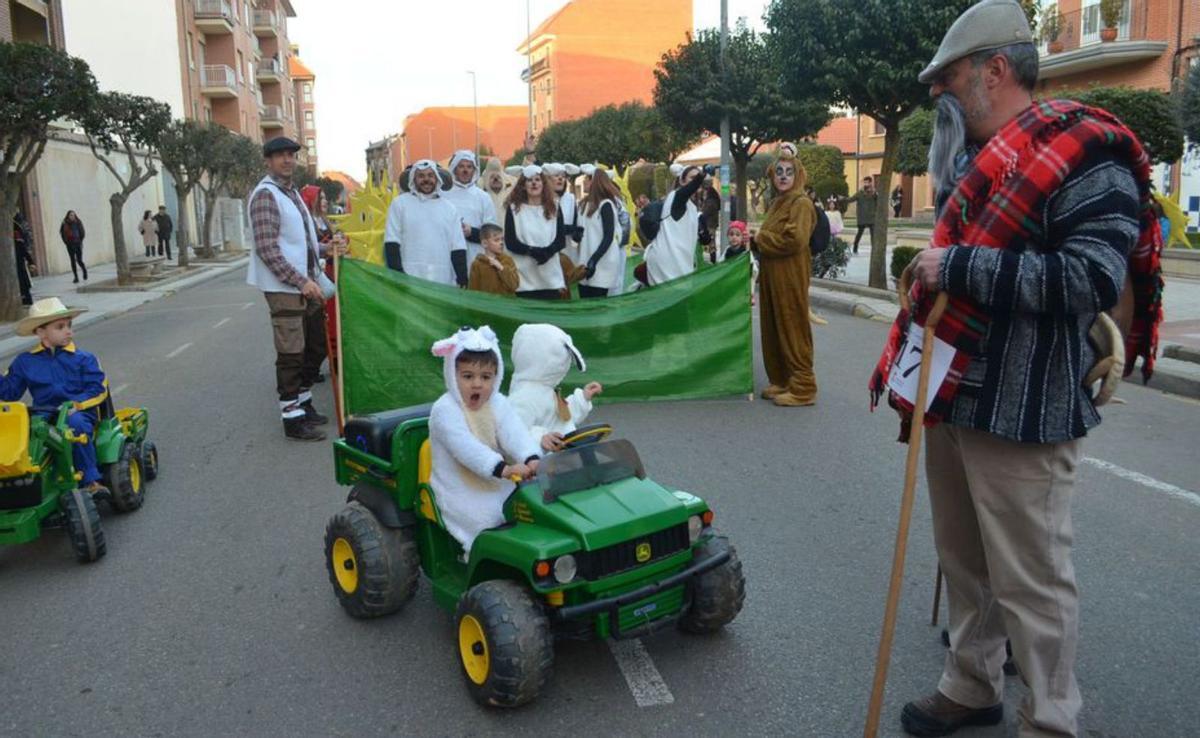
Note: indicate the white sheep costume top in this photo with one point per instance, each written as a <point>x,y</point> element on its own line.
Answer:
<point>542,355</point>
<point>467,446</point>
<point>473,204</point>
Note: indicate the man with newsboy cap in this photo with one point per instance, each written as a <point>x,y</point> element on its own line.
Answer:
<point>285,265</point>
<point>1045,224</point>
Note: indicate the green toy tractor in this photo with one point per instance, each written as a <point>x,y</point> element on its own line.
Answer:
<point>591,549</point>
<point>38,480</point>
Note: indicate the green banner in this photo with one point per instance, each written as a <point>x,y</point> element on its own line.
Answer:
<point>687,339</point>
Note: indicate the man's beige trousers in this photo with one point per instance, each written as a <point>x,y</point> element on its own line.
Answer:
<point>1002,525</point>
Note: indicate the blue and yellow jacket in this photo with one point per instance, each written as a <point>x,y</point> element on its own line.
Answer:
<point>55,376</point>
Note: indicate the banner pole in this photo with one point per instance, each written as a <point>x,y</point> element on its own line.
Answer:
<point>339,386</point>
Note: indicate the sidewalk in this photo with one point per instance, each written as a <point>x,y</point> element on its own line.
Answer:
<point>1178,367</point>
<point>102,305</point>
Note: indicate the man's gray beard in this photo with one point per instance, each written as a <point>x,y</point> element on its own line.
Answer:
<point>949,138</point>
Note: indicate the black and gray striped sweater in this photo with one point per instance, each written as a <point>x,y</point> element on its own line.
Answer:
<point>1025,383</point>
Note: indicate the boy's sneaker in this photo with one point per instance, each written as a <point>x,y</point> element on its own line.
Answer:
<point>311,415</point>
<point>98,491</point>
<point>300,429</point>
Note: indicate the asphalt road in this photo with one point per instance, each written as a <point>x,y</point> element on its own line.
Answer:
<point>212,614</point>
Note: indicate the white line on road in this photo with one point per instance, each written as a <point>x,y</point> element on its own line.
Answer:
<point>1177,492</point>
<point>119,389</point>
<point>179,350</point>
<point>222,322</point>
<point>640,674</point>
<point>247,306</point>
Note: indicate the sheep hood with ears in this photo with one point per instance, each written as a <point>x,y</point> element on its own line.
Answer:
<point>542,356</point>
<point>459,157</point>
<point>467,339</point>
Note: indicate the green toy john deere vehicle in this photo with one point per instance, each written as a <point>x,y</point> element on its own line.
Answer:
<point>591,548</point>
<point>38,481</point>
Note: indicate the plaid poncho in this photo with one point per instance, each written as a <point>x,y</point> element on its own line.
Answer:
<point>997,204</point>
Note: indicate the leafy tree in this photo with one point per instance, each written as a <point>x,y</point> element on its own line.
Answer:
<point>1189,109</point>
<point>38,85</point>
<point>825,167</point>
<point>560,142</point>
<point>236,167</point>
<point>188,149</point>
<point>694,96</point>
<point>1148,113</point>
<point>518,157</point>
<point>864,55</point>
<point>125,128</point>
<point>916,135</point>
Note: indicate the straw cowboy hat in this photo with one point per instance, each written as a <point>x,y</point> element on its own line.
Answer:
<point>45,311</point>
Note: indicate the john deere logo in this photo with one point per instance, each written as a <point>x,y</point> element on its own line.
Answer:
<point>642,552</point>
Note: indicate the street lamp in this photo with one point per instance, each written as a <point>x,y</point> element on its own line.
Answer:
<point>429,131</point>
<point>475,104</point>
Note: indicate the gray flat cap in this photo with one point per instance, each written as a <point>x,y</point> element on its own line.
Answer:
<point>989,24</point>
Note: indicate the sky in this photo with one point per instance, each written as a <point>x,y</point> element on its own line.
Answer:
<point>368,81</point>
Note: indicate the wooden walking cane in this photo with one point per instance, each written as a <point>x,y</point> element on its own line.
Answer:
<point>906,504</point>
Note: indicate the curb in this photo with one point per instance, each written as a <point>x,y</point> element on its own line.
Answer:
<point>88,319</point>
<point>1176,372</point>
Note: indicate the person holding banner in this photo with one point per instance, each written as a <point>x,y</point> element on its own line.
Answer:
<point>534,234</point>
<point>1045,225</point>
<point>600,246</point>
<point>672,254</point>
<point>785,268</point>
<point>560,182</point>
<point>424,232</point>
<point>473,204</point>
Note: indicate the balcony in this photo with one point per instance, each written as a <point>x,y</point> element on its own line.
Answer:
<point>214,17</point>
<point>218,80</point>
<point>1082,49</point>
<point>271,116</point>
<point>270,70</point>
<point>537,69</point>
<point>266,23</point>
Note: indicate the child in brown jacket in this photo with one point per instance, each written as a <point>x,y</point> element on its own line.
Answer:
<point>493,271</point>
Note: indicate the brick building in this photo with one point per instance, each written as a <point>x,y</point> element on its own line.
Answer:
<point>593,53</point>
<point>437,132</point>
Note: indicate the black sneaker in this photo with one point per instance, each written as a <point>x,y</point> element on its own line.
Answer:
<point>299,429</point>
<point>311,416</point>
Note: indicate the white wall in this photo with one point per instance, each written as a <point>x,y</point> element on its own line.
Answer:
<point>69,178</point>
<point>132,46</point>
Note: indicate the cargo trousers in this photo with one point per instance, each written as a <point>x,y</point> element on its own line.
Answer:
<point>298,325</point>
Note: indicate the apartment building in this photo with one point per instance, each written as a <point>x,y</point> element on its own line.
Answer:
<point>303,80</point>
<point>593,53</point>
<point>32,21</point>
<point>235,66</point>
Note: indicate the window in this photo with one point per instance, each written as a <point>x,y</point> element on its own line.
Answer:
<point>241,64</point>
<point>308,92</point>
<point>1092,22</point>
<point>208,114</point>
<point>877,128</point>
<point>308,119</point>
<point>190,52</point>
<point>311,145</point>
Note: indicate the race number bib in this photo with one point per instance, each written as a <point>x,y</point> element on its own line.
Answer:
<point>904,377</point>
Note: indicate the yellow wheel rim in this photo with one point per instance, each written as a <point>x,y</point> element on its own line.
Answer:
<point>135,476</point>
<point>345,567</point>
<point>472,646</point>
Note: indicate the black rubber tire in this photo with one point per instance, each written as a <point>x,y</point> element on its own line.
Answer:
<point>128,488</point>
<point>718,594</point>
<point>148,453</point>
<point>520,644</point>
<point>387,562</point>
<point>83,525</point>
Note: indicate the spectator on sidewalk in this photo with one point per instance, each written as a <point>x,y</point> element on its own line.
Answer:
<point>286,267</point>
<point>149,230</point>
<point>23,246</point>
<point>865,200</point>
<point>1048,221</point>
<point>165,229</point>
<point>72,233</point>
<point>897,200</point>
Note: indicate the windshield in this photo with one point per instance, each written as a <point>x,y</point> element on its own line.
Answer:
<point>587,467</point>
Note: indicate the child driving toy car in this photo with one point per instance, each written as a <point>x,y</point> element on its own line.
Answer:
<point>478,441</point>
<point>54,372</point>
<point>542,355</point>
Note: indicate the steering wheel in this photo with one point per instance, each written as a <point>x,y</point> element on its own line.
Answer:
<point>587,435</point>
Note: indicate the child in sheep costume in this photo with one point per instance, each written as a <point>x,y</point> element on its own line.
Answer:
<point>477,439</point>
<point>542,355</point>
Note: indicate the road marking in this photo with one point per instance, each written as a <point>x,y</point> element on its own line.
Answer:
<point>179,350</point>
<point>640,674</point>
<point>119,389</point>
<point>222,322</point>
<point>1178,493</point>
<point>247,306</point>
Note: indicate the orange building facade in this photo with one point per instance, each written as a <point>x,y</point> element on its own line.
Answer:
<point>593,53</point>
<point>437,132</point>
<point>303,81</point>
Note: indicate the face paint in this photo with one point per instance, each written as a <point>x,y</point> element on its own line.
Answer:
<point>785,176</point>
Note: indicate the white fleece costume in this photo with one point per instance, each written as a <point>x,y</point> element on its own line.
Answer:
<point>427,227</point>
<point>468,446</point>
<point>474,206</point>
<point>567,204</point>
<point>542,355</point>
